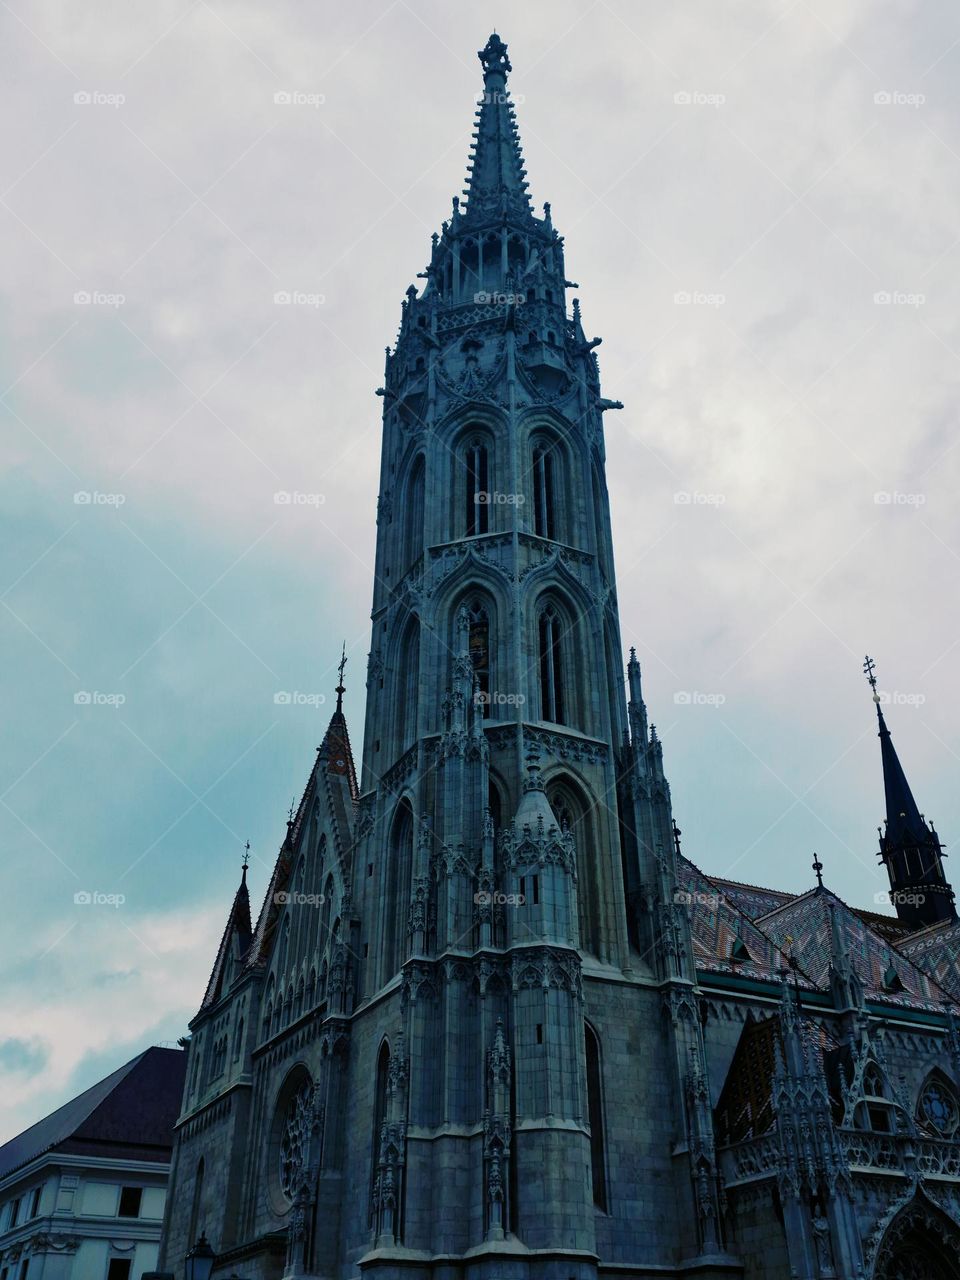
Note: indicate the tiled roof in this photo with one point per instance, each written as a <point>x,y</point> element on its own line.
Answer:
<point>716,924</point>
<point>128,1114</point>
<point>937,951</point>
<point>804,925</point>
<point>751,899</point>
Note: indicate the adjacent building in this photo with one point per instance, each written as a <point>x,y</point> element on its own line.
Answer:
<point>82,1192</point>
<point>491,1023</point>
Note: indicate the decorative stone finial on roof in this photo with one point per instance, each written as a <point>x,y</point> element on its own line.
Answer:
<point>493,56</point>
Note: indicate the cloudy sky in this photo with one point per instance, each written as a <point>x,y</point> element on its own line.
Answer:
<point>792,167</point>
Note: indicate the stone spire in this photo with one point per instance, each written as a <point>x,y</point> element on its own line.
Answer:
<point>496,181</point>
<point>909,847</point>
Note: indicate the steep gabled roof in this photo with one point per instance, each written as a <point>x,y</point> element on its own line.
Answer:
<point>234,943</point>
<point>717,924</point>
<point>751,899</point>
<point>129,1114</point>
<point>333,780</point>
<point>806,923</point>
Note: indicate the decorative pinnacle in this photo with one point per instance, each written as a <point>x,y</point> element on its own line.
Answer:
<point>493,56</point>
<point>246,859</point>
<point>533,780</point>
<point>340,690</point>
<point>869,667</point>
<point>818,869</point>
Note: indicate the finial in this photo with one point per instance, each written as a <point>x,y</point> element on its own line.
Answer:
<point>493,56</point>
<point>246,860</point>
<point>818,869</point>
<point>677,833</point>
<point>633,654</point>
<point>290,811</point>
<point>533,781</point>
<point>869,667</point>
<point>340,689</point>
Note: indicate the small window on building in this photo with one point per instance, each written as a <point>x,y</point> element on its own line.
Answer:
<point>118,1269</point>
<point>35,1202</point>
<point>130,1198</point>
<point>14,1213</point>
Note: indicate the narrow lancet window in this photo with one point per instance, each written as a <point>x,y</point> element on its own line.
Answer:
<point>551,666</point>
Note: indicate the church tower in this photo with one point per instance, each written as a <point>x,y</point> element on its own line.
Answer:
<point>469,1029</point>
<point>527,953</point>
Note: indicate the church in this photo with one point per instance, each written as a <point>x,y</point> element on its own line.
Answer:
<point>490,1022</point>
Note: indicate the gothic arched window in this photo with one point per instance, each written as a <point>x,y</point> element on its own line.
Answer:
<point>325,912</point>
<point>196,1207</point>
<point>477,489</point>
<point>550,637</point>
<point>283,951</point>
<point>573,814</point>
<point>469,268</point>
<point>875,1111</point>
<point>238,1041</point>
<point>414,515</point>
<point>937,1108</point>
<point>408,682</point>
<point>268,1011</point>
<point>479,646</point>
<point>544,466</point>
<point>595,1117</point>
<point>379,1120</point>
<point>397,901</point>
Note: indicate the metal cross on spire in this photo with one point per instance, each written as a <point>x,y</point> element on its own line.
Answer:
<point>246,857</point>
<point>341,689</point>
<point>869,667</point>
<point>818,869</point>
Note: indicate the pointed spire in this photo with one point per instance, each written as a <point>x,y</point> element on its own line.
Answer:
<point>335,747</point>
<point>910,848</point>
<point>496,181</point>
<point>239,928</point>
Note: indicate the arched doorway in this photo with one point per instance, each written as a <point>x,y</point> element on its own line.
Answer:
<point>921,1243</point>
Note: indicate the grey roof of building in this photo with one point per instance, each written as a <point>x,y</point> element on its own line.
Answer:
<point>130,1113</point>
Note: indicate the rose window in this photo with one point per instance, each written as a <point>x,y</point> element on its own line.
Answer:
<point>294,1140</point>
<point>938,1109</point>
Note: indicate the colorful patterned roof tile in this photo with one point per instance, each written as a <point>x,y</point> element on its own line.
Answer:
<point>937,951</point>
<point>804,924</point>
<point>716,924</point>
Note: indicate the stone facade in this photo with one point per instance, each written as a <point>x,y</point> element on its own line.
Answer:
<point>490,1023</point>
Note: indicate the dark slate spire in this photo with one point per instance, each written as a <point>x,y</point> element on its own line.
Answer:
<point>909,847</point>
<point>903,817</point>
<point>235,941</point>
<point>496,182</point>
